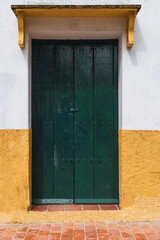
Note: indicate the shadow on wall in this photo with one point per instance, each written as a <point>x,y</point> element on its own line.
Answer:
<point>139,45</point>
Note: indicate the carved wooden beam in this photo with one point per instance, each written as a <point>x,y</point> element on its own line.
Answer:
<point>130,30</point>
<point>21,29</point>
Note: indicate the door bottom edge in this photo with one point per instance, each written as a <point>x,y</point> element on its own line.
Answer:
<point>97,201</point>
<point>52,201</point>
<point>76,201</point>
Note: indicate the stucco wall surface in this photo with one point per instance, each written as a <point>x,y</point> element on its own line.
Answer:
<point>139,180</point>
<point>15,170</point>
<point>139,71</point>
<point>139,167</point>
<point>139,118</point>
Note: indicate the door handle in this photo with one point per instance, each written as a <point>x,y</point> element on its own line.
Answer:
<point>72,110</point>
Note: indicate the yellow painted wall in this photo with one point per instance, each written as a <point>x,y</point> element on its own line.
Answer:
<point>139,166</point>
<point>139,180</point>
<point>14,170</point>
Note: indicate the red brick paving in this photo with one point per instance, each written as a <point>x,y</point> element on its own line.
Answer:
<point>81,231</point>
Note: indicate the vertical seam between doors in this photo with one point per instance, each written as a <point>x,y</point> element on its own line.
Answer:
<point>73,124</point>
<point>93,131</point>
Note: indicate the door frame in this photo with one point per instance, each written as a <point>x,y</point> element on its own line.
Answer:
<point>62,201</point>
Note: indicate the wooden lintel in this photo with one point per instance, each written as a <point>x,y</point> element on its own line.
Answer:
<point>86,11</point>
<point>130,29</point>
<point>21,29</point>
<point>33,6</point>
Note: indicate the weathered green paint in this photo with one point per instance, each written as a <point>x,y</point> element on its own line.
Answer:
<point>83,143</point>
<point>42,121</point>
<point>63,122</point>
<point>104,121</point>
<point>75,121</point>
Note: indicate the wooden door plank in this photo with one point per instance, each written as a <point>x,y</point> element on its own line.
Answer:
<point>104,121</point>
<point>63,122</point>
<point>42,118</point>
<point>83,75</point>
<point>115,133</point>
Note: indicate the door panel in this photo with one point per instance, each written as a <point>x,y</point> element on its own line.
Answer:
<point>63,122</point>
<point>104,120</point>
<point>115,129</point>
<point>75,153</point>
<point>83,75</point>
<point>42,133</point>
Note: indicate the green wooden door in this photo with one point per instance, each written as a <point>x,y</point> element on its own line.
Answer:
<point>74,122</point>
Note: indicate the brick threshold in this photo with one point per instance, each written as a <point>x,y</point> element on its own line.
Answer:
<point>74,207</point>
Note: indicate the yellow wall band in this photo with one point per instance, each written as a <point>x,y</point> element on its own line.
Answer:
<point>15,170</point>
<point>139,180</point>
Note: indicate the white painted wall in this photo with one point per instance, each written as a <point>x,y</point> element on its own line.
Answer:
<point>139,68</point>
